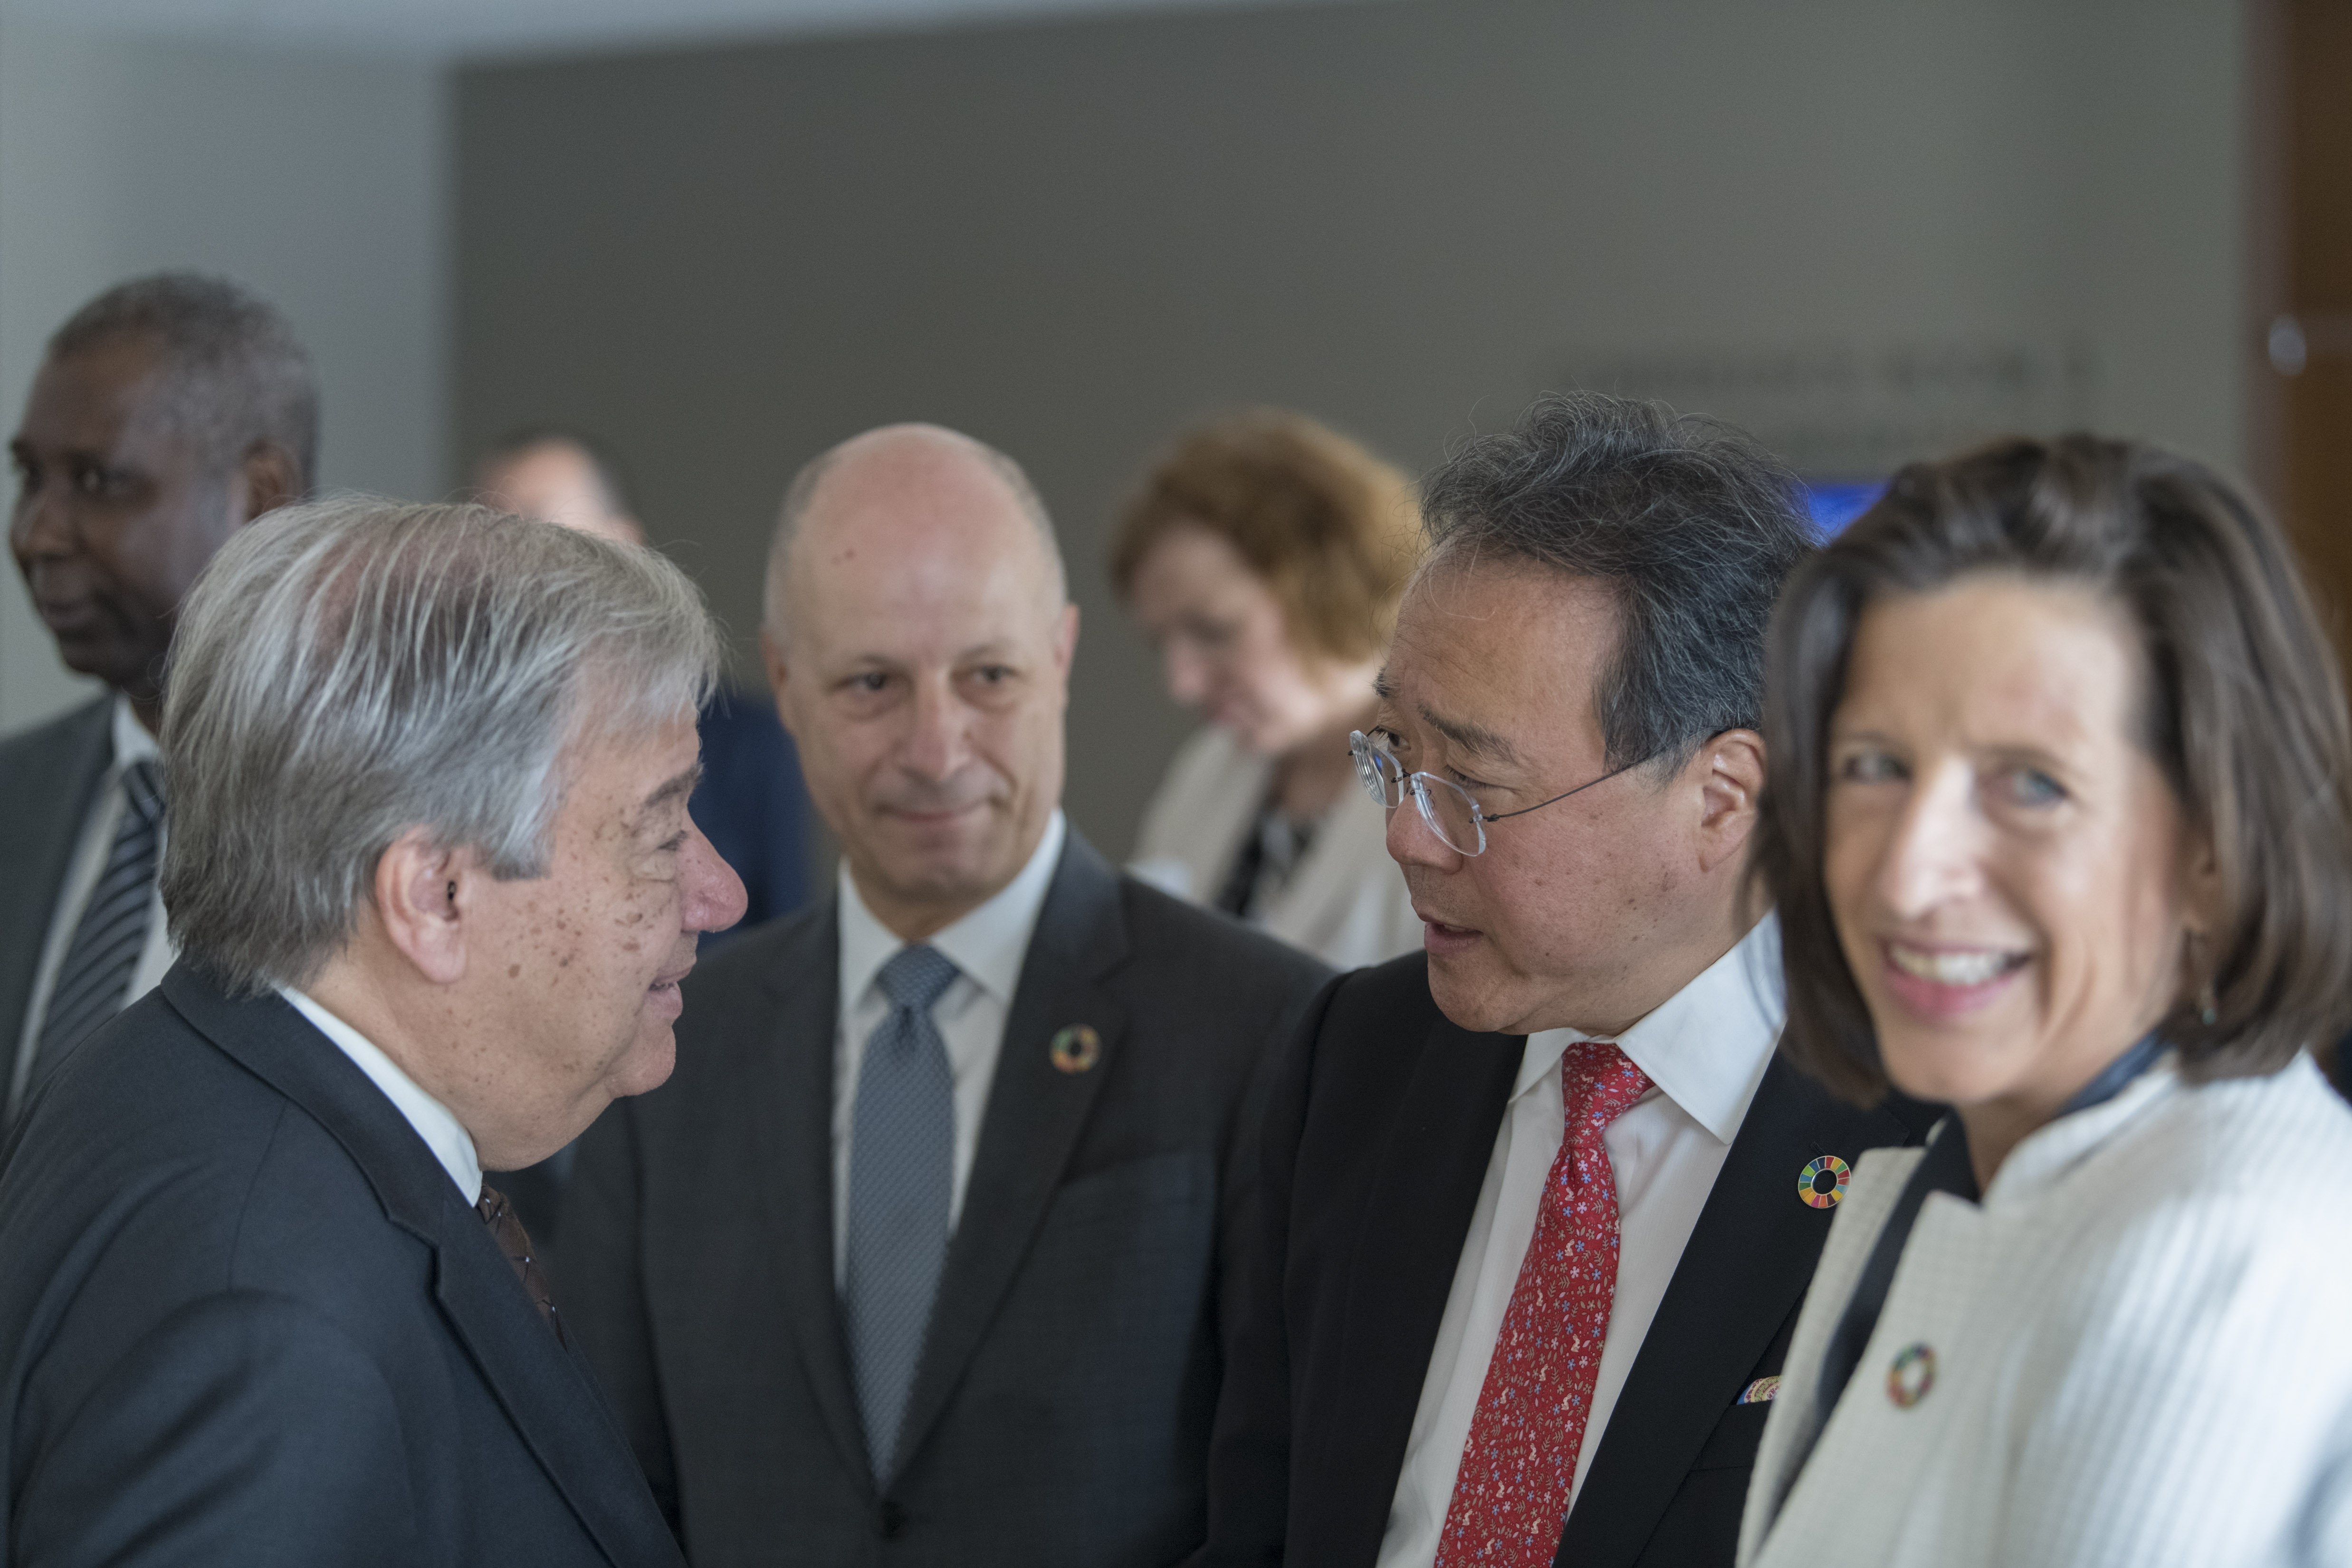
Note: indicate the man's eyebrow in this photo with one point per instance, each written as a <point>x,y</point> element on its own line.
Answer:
<point>1475,739</point>
<point>678,788</point>
<point>1382,687</point>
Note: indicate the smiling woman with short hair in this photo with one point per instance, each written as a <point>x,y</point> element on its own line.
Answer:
<point>2055,825</point>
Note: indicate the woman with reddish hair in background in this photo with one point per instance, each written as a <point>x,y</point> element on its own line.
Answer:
<point>1265,557</point>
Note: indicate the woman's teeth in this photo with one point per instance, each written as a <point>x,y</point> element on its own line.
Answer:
<point>1974,967</point>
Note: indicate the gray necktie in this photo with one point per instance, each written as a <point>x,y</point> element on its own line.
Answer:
<point>104,954</point>
<point>901,1163</point>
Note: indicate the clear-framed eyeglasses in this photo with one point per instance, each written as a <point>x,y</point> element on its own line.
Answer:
<point>1458,821</point>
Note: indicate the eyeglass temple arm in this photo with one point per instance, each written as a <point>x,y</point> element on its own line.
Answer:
<point>1604,778</point>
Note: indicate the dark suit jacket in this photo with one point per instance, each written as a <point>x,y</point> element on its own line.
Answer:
<point>246,1318</point>
<point>1062,1409</point>
<point>1378,1132</point>
<point>47,776</point>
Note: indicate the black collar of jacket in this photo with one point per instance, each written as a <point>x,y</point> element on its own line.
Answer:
<point>547,1393</point>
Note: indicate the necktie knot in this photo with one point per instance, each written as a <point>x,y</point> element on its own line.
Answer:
<point>1598,1083</point>
<point>916,976</point>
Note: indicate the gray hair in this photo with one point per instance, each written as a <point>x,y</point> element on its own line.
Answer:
<point>802,491</point>
<point>234,374</point>
<point>351,669</point>
<point>1689,523</point>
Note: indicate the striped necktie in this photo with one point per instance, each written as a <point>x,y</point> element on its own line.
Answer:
<point>104,953</point>
<point>901,1171</point>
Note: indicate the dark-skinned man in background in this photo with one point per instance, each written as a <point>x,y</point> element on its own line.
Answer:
<point>167,414</point>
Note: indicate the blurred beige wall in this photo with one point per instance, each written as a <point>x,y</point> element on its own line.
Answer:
<point>1855,223</point>
<point>319,180</point>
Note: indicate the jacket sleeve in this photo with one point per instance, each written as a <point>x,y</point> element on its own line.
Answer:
<point>1249,1453</point>
<point>245,1431</point>
<point>600,1291</point>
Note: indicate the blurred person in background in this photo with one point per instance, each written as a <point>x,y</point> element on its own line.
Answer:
<point>927,1257</point>
<point>1264,558</point>
<point>434,889</point>
<point>1538,1205</point>
<point>167,413</point>
<point>2055,824</point>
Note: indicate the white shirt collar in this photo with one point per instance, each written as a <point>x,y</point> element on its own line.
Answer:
<point>989,945</point>
<point>133,743</point>
<point>1706,1046</point>
<point>442,1133</point>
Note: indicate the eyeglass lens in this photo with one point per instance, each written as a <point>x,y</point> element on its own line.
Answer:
<point>1450,814</point>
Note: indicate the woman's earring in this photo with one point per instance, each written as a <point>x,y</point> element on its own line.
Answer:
<point>2211,1012</point>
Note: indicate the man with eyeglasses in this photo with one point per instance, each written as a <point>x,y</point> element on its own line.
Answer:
<point>1538,1205</point>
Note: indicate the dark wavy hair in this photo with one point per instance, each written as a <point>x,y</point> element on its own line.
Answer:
<point>2245,713</point>
<point>1689,524</point>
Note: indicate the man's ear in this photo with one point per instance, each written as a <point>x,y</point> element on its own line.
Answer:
<point>1731,777</point>
<point>772,657</point>
<point>272,479</point>
<point>421,898</point>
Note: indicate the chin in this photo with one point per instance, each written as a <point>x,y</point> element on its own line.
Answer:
<point>1944,1070</point>
<point>1470,999</point>
<point>649,1063</point>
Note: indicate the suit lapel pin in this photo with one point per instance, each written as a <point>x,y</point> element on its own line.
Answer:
<point>1763,1390</point>
<point>1912,1375</point>
<point>1821,1184</point>
<point>1076,1049</point>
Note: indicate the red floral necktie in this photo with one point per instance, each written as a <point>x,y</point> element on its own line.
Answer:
<point>1510,1499</point>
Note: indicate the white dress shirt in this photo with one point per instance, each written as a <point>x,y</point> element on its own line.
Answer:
<point>442,1131</point>
<point>988,947</point>
<point>133,744</point>
<point>1705,1050</point>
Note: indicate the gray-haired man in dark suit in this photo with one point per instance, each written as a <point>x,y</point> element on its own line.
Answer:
<point>169,412</point>
<point>435,883</point>
<point>929,1242</point>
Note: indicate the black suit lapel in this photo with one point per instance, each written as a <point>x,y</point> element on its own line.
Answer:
<point>39,833</point>
<point>1035,1112</point>
<point>1743,1271</point>
<point>786,1117</point>
<point>1432,1167</point>
<point>558,1413</point>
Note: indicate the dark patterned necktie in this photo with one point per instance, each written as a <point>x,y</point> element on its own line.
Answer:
<point>112,932</point>
<point>901,1171</point>
<point>506,1230</point>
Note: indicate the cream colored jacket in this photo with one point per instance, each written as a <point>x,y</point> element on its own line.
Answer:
<point>2141,1346</point>
<point>1346,902</point>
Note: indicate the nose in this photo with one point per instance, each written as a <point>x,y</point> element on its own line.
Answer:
<point>937,744</point>
<point>39,526</point>
<point>1413,842</point>
<point>1934,849</point>
<point>715,899</point>
<point>1187,674</point>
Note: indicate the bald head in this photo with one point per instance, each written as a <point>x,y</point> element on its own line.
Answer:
<point>918,639</point>
<point>921,485</point>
